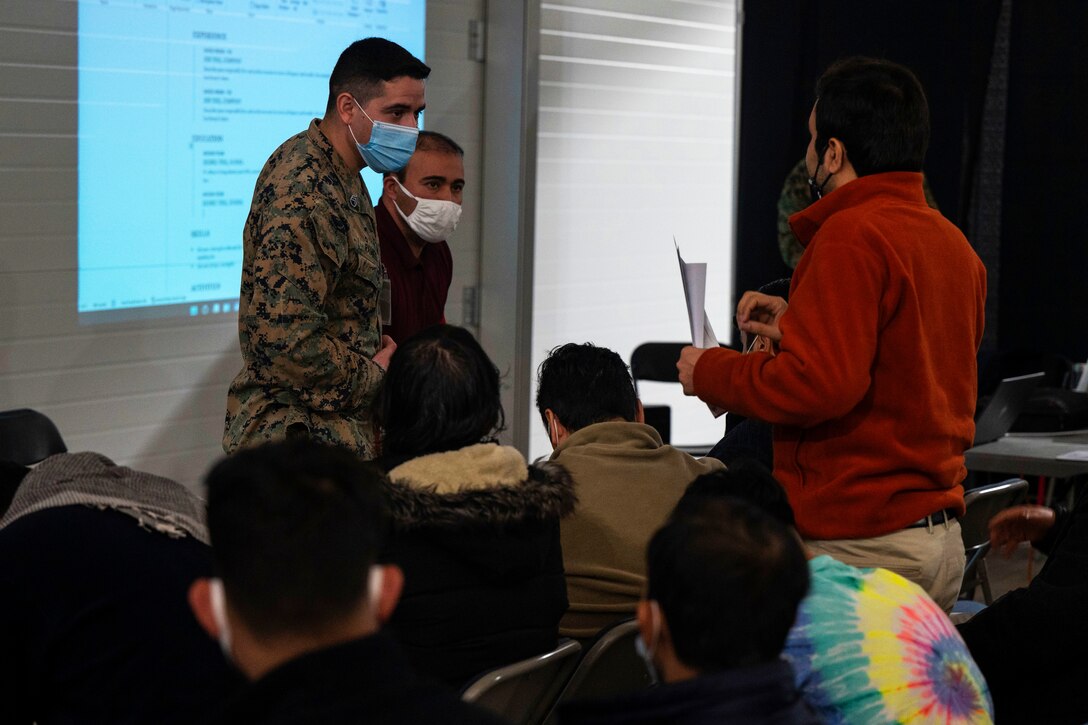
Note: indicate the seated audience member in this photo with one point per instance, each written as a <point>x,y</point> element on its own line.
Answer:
<point>627,481</point>
<point>299,601</point>
<point>475,529</point>
<point>95,561</point>
<point>724,584</point>
<point>418,210</point>
<point>868,646</point>
<point>1031,643</point>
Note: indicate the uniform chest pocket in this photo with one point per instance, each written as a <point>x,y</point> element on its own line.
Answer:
<point>349,254</point>
<point>368,270</point>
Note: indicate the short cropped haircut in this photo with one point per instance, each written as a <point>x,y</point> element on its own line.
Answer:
<point>434,142</point>
<point>728,579</point>
<point>878,110</point>
<point>584,384</point>
<point>441,393</point>
<point>746,479</point>
<point>365,64</point>
<point>295,526</point>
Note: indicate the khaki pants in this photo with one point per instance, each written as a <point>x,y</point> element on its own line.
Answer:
<point>931,557</point>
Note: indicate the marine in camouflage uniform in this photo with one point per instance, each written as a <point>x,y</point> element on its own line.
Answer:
<point>308,320</point>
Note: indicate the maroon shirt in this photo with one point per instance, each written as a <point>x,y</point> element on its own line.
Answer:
<point>419,286</point>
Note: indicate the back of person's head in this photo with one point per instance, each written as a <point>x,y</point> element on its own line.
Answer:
<point>745,479</point>
<point>440,143</point>
<point>295,527</point>
<point>431,142</point>
<point>441,393</point>
<point>728,579</point>
<point>878,110</point>
<point>584,384</point>
<point>365,64</point>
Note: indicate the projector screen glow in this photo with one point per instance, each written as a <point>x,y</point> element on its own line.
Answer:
<point>180,104</point>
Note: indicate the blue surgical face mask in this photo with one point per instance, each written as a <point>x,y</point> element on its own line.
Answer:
<point>390,146</point>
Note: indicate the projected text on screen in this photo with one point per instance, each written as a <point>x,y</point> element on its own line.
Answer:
<point>180,104</point>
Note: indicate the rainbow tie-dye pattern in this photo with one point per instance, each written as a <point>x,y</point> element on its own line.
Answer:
<point>871,647</point>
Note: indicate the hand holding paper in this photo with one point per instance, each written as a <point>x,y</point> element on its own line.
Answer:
<point>693,277</point>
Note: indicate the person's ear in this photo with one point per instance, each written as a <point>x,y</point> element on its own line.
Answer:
<point>346,108</point>
<point>557,432</point>
<point>392,586</point>
<point>200,601</point>
<point>389,186</point>
<point>835,156</point>
<point>640,412</point>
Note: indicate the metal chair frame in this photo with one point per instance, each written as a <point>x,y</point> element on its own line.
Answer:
<point>514,693</point>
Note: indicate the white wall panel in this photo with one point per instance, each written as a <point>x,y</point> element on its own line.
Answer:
<point>635,145</point>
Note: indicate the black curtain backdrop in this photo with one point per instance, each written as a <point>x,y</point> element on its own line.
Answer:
<point>1044,252</point>
<point>786,44</point>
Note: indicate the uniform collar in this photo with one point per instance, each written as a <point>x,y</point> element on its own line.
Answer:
<point>351,182</point>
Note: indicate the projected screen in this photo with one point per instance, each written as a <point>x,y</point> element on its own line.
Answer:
<point>180,104</point>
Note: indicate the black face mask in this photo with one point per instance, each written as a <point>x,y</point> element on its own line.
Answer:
<point>818,189</point>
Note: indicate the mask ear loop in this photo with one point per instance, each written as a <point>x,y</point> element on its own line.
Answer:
<point>647,651</point>
<point>374,588</point>
<point>219,614</point>
<point>655,627</point>
<point>553,432</point>
<point>407,193</point>
<point>818,189</point>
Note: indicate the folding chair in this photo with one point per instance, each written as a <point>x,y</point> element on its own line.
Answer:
<point>610,667</point>
<point>525,692</point>
<point>983,504</point>
<point>656,362</point>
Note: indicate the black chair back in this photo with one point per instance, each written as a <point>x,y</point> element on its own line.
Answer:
<point>28,437</point>
<point>610,667</point>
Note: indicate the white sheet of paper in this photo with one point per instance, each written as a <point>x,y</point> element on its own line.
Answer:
<point>693,277</point>
<point>1074,456</point>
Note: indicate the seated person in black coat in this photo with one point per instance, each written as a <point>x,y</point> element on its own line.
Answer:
<point>474,527</point>
<point>1030,644</point>
<point>296,527</point>
<point>725,581</point>
<point>95,561</point>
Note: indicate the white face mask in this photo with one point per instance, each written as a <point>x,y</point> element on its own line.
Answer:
<point>433,219</point>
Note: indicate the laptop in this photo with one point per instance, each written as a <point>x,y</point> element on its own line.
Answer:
<point>1004,407</point>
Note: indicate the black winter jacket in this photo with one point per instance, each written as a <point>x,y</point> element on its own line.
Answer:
<point>476,532</point>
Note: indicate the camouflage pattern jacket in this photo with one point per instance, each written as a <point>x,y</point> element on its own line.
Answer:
<point>308,323</point>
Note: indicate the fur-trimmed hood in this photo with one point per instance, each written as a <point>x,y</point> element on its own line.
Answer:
<point>483,485</point>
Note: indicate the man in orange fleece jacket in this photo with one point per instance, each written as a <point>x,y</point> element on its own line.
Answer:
<point>872,390</point>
